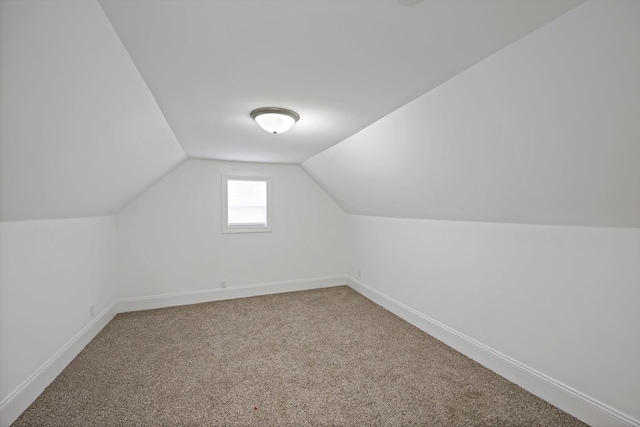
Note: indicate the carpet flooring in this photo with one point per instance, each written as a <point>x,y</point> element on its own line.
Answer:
<point>322,357</point>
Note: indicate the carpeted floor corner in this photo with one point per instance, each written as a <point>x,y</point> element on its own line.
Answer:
<point>326,357</point>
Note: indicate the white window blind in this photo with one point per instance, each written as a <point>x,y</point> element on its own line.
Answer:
<point>246,204</point>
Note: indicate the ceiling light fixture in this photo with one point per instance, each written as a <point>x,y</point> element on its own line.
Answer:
<point>274,119</point>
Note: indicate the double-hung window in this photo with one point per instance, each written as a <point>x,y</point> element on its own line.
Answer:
<point>246,205</point>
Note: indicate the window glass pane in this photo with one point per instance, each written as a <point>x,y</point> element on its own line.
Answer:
<point>247,203</point>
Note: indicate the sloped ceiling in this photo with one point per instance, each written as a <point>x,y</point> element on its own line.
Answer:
<point>85,88</point>
<point>341,65</point>
<point>546,131</point>
<point>80,133</point>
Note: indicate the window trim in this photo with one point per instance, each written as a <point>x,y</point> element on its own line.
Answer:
<point>225,205</point>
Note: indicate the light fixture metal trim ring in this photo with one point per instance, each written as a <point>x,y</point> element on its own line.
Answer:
<point>274,110</point>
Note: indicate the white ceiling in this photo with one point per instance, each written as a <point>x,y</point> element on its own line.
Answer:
<point>341,65</point>
<point>80,133</point>
<point>99,100</point>
<point>545,131</point>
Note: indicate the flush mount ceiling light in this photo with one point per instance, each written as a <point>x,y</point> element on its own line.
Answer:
<point>274,119</point>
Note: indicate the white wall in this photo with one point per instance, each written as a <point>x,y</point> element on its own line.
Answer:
<point>561,300</point>
<point>51,271</point>
<point>170,239</point>
<point>544,131</point>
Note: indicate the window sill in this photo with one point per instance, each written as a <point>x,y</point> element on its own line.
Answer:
<point>246,230</point>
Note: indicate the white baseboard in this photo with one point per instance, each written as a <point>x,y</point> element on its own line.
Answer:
<point>23,396</point>
<point>27,392</point>
<point>232,292</point>
<point>583,407</point>
<point>579,405</point>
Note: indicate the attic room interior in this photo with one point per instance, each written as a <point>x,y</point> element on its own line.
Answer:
<point>452,220</point>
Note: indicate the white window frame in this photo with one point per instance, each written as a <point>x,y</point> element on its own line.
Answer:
<point>225,205</point>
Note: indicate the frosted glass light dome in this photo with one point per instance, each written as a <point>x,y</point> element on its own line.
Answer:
<point>274,119</point>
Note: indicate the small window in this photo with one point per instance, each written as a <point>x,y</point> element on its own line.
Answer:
<point>245,205</point>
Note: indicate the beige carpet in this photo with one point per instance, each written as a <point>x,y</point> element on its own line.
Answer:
<point>321,357</point>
